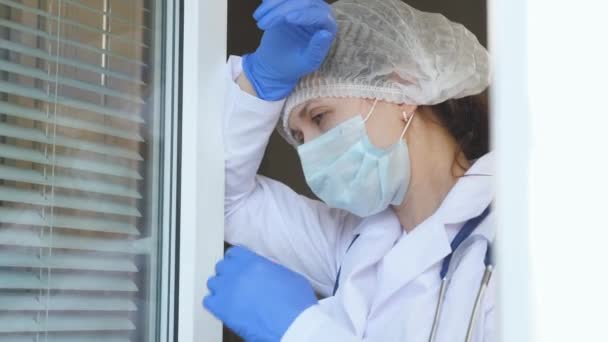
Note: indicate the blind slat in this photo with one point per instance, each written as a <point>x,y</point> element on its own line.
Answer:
<point>19,153</point>
<point>91,224</point>
<point>63,323</point>
<point>47,15</point>
<point>66,261</point>
<point>18,324</point>
<point>32,217</point>
<point>58,79</point>
<point>114,17</point>
<point>16,195</point>
<point>18,216</point>
<point>64,302</point>
<point>72,337</point>
<point>54,38</point>
<point>66,121</point>
<point>16,280</point>
<point>67,182</point>
<point>26,50</point>
<point>37,94</point>
<point>37,135</point>
<point>28,238</point>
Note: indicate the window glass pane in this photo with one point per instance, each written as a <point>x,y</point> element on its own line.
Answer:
<point>80,169</point>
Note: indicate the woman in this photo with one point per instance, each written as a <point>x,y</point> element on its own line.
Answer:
<point>386,107</point>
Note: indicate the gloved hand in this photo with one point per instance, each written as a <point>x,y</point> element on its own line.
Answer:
<point>297,37</point>
<point>255,297</point>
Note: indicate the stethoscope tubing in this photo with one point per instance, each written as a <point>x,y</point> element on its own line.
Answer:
<point>438,309</point>
<point>474,312</point>
<point>462,236</point>
<point>480,295</point>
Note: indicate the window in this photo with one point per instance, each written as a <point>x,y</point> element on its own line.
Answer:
<point>85,169</point>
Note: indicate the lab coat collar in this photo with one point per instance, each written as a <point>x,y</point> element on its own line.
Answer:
<point>413,254</point>
<point>470,196</point>
<point>378,234</point>
<point>429,244</point>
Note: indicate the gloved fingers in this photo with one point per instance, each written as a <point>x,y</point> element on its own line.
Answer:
<point>235,260</point>
<point>266,6</point>
<point>239,252</point>
<point>212,304</point>
<point>221,267</point>
<point>319,46</point>
<point>316,18</point>
<point>214,284</point>
<point>278,14</point>
<point>229,266</point>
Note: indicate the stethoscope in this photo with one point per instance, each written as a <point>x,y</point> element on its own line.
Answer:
<point>462,236</point>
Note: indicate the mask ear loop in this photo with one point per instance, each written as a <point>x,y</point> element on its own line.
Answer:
<point>407,124</point>
<point>371,111</point>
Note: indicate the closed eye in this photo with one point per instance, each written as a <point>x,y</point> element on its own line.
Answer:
<point>318,118</point>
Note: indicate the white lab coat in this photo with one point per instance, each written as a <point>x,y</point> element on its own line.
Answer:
<point>389,282</point>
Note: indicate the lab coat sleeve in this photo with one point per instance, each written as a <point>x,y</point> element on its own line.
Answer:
<point>314,325</point>
<point>265,215</point>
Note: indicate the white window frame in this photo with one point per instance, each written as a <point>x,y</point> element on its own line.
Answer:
<point>202,178</point>
<point>201,212</point>
<point>510,137</point>
<point>169,190</point>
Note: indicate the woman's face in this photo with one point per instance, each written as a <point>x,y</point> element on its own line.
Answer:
<point>313,118</point>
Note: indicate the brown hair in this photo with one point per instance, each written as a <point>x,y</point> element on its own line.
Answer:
<point>467,121</point>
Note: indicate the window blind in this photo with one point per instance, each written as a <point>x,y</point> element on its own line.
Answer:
<point>78,171</point>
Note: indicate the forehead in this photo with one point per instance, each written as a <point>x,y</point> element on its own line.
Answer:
<point>302,108</point>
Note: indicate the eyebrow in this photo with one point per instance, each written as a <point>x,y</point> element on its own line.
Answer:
<point>305,108</point>
<point>303,111</point>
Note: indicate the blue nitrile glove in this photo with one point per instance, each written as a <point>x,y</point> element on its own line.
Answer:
<point>255,297</point>
<point>297,37</point>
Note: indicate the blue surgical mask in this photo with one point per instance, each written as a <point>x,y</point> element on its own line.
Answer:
<point>345,170</point>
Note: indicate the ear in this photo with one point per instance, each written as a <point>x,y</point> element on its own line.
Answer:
<point>408,109</point>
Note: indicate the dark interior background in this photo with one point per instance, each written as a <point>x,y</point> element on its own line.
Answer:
<point>281,161</point>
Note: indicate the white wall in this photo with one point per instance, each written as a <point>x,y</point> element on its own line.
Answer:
<point>550,131</point>
<point>568,69</point>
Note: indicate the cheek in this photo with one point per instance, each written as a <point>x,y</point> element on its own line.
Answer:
<point>310,131</point>
<point>334,119</point>
<point>384,132</point>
